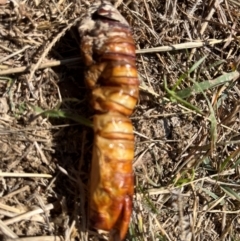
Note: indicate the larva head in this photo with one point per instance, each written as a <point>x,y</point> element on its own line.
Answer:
<point>99,18</point>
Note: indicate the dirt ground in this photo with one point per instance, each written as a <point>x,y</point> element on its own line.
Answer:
<point>186,123</point>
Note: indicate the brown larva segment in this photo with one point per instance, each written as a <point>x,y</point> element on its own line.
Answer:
<point>108,50</point>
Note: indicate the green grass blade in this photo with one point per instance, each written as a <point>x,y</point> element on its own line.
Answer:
<point>174,96</point>
<point>212,195</point>
<point>62,114</point>
<point>185,177</point>
<point>229,159</point>
<point>215,64</point>
<point>183,76</point>
<point>205,85</point>
<point>212,118</point>
<point>230,192</point>
<point>147,200</point>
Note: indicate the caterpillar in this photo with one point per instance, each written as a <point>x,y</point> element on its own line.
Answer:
<point>108,50</point>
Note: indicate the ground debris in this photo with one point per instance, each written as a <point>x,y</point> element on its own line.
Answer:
<point>186,163</point>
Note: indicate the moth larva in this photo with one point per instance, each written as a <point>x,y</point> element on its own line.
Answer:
<point>108,49</point>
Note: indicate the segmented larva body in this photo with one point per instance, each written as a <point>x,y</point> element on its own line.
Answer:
<point>108,50</point>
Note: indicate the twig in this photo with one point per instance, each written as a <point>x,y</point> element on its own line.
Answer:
<point>13,174</point>
<point>40,238</point>
<point>69,231</point>
<point>149,15</point>
<point>174,47</point>
<point>13,54</point>
<point>27,215</point>
<point>160,227</point>
<point>48,64</point>
<point>235,2</point>
<point>118,3</point>
<point>7,231</point>
<point>9,208</point>
<point>20,190</point>
<point>43,157</point>
<point>157,191</point>
<point>188,45</point>
<point>205,23</point>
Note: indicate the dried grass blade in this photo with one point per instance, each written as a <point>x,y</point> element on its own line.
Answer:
<point>27,215</point>
<point>20,174</point>
<point>7,231</point>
